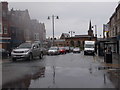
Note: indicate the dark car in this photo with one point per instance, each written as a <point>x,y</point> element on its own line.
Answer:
<point>67,49</point>
<point>62,50</point>
<point>4,53</point>
<point>71,49</point>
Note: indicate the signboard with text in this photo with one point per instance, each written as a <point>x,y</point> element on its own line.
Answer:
<point>105,27</point>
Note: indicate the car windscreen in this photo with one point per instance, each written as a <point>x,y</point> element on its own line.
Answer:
<point>25,45</point>
<point>89,46</point>
<point>67,48</point>
<point>53,48</point>
<point>61,48</point>
<point>76,48</point>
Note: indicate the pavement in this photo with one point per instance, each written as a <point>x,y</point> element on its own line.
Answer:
<point>115,61</point>
<point>5,60</point>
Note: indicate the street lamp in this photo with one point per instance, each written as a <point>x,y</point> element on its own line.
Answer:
<point>71,32</point>
<point>95,30</point>
<point>53,17</point>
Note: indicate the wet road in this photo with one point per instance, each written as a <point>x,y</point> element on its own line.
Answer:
<point>62,71</point>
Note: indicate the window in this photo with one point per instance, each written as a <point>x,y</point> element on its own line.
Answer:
<point>0,28</point>
<point>36,36</point>
<point>5,29</point>
<point>118,14</point>
<point>4,14</point>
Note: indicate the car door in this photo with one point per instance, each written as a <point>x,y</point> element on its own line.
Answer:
<point>37,49</point>
<point>34,50</point>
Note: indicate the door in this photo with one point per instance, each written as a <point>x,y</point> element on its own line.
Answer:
<point>34,51</point>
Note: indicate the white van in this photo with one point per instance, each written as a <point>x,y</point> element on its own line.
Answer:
<point>89,47</point>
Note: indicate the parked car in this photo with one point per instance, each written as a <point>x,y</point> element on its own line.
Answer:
<point>53,51</point>
<point>71,49</point>
<point>4,53</point>
<point>44,51</point>
<point>76,50</point>
<point>27,50</point>
<point>62,50</point>
<point>67,49</point>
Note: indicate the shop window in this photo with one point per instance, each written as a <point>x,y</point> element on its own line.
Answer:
<point>5,29</point>
<point>0,29</point>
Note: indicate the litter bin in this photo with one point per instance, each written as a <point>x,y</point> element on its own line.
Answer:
<point>108,57</point>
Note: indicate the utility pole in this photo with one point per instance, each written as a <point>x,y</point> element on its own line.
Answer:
<point>53,25</point>
<point>95,26</point>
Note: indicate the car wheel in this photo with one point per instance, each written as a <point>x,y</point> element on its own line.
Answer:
<point>13,59</point>
<point>41,55</point>
<point>30,57</point>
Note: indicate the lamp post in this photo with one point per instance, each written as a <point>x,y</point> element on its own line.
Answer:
<point>95,30</point>
<point>53,24</point>
<point>71,32</point>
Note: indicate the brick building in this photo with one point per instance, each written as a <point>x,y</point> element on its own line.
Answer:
<point>4,26</point>
<point>77,40</point>
<point>20,26</point>
<point>17,27</point>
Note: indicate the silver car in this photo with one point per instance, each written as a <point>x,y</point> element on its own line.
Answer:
<point>27,51</point>
<point>53,51</point>
<point>76,50</point>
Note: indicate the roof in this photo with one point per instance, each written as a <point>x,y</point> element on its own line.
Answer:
<point>60,40</point>
<point>82,36</point>
<point>64,35</point>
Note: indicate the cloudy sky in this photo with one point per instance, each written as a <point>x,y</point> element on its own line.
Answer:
<point>73,16</point>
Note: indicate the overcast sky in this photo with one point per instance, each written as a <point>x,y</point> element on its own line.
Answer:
<point>73,16</point>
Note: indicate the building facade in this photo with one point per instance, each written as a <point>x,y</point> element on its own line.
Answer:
<point>114,30</point>
<point>17,27</point>
<point>38,31</point>
<point>4,26</point>
<point>77,40</point>
<point>20,26</point>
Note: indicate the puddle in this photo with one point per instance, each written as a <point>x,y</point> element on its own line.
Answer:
<point>25,81</point>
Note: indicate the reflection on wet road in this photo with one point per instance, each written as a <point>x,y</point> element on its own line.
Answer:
<point>62,71</point>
